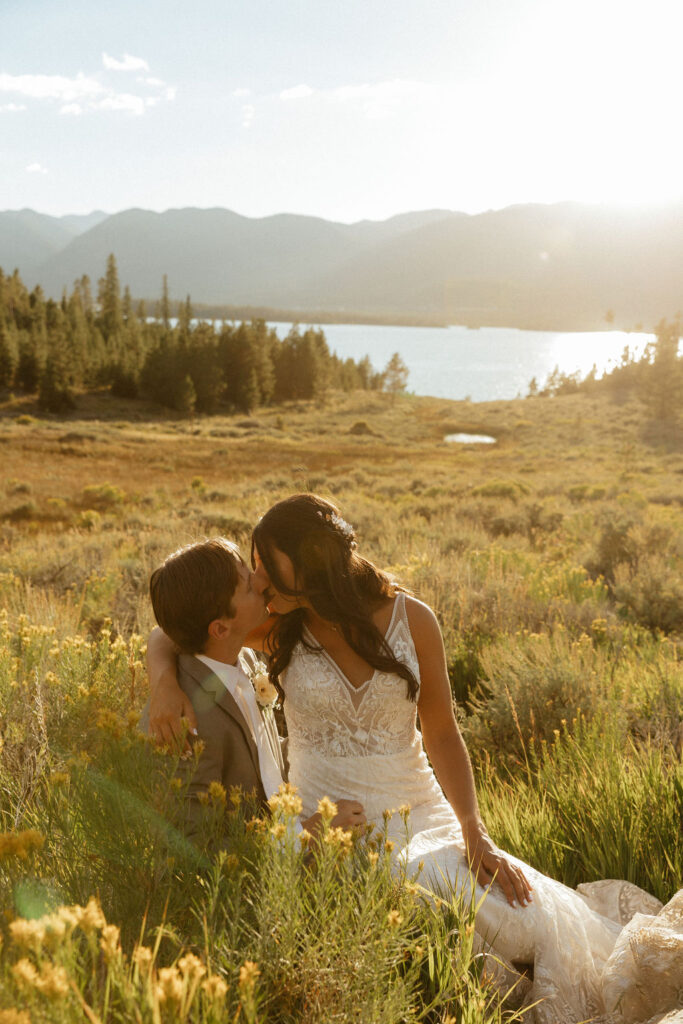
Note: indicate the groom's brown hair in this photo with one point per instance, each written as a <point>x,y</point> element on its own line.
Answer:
<point>194,586</point>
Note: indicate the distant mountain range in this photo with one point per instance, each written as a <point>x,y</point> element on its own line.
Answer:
<point>562,266</point>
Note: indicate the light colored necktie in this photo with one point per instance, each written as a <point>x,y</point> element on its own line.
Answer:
<point>244,692</point>
<point>271,776</point>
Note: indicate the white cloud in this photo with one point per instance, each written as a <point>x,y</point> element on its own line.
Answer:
<point>128,63</point>
<point>298,92</point>
<point>248,112</point>
<point>82,93</point>
<point>123,101</point>
<point>52,87</point>
<point>239,94</point>
<point>12,108</point>
<point>157,83</point>
<point>381,99</point>
<point>36,169</point>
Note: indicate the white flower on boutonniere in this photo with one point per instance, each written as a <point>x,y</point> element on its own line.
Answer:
<point>266,694</point>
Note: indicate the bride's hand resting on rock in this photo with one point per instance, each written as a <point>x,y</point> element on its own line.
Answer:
<point>490,864</point>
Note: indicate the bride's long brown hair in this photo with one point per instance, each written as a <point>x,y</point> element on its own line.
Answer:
<point>340,586</point>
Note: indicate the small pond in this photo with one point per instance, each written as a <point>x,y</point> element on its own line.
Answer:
<point>470,438</point>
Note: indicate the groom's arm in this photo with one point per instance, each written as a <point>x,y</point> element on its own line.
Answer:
<point>171,715</point>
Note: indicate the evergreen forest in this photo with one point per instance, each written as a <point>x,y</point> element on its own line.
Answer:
<point>86,341</point>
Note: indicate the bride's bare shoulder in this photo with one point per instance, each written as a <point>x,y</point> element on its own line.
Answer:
<point>421,619</point>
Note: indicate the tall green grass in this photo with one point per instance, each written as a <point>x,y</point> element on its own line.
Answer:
<point>560,605</point>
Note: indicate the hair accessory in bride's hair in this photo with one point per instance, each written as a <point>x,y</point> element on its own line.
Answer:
<point>340,525</point>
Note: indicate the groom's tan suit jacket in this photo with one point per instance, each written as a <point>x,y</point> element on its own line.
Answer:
<point>229,755</point>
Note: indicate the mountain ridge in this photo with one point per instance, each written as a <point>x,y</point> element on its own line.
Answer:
<point>553,266</point>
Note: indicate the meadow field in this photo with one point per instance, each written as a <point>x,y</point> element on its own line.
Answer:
<point>553,560</point>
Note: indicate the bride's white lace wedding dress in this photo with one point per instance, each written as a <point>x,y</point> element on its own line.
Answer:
<point>606,952</point>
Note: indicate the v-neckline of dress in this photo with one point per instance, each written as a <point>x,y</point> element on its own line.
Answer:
<point>348,685</point>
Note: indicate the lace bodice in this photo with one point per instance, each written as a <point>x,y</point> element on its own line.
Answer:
<point>326,713</point>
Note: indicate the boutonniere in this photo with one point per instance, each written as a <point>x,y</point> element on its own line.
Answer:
<point>266,694</point>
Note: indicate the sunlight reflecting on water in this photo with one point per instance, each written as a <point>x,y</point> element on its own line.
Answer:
<point>484,364</point>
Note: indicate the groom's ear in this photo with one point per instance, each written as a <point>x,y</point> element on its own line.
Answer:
<point>218,629</point>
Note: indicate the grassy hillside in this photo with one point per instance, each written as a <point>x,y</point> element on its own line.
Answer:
<point>553,560</point>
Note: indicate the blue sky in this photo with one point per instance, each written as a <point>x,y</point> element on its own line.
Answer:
<point>344,109</point>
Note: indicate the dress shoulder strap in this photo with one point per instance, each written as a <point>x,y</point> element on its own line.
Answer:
<point>398,614</point>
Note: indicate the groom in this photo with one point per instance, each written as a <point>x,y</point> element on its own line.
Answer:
<point>205,600</point>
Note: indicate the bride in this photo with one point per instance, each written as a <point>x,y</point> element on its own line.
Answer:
<point>356,660</point>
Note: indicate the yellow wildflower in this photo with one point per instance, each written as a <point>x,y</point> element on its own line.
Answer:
<point>132,719</point>
<point>28,934</point>
<point>92,918</point>
<point>394,919</point>
<point>71,916</point>
<point>279,830</point>
<point>215,987</point>
<point>340,837</point>
<point>305,837</point>
<point>53,981</point>
<point>13,1016</point>
<point>286,800</point>
<point>236,796</point>
<point>170,986</point>
<point>142,958</point>
<point>59,779</point>
<point>190,966</point>
<point>373,857</point>
<point>110,722</point>
<point>25,973</point>
<point>217,794</point>
<point>109,941</point>
<point>249,972</point>
<point>327,809</point>
<point>176,783</point>
<point>230,862</point>
<point>20,844</point>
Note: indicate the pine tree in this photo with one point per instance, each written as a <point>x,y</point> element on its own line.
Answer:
<point>395,375</point>
<point>185,396</point>
<point>110,318</point>
<point>662,386</point>
<point>127,305</point>
<point>185,319</point>
<point>165,307</point>
<point>54,394</point>
<point>27,373</point>
<point>205,369</point>
<point>6,358</point>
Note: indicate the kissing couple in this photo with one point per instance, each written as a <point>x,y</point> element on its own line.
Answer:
<point>355,660</point>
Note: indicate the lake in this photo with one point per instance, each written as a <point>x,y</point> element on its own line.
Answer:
<point>484,364</point>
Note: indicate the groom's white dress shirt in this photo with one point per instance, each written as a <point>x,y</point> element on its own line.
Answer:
<point>240,687</point>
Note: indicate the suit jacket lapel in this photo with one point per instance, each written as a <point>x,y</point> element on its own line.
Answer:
<point>213,686</point>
